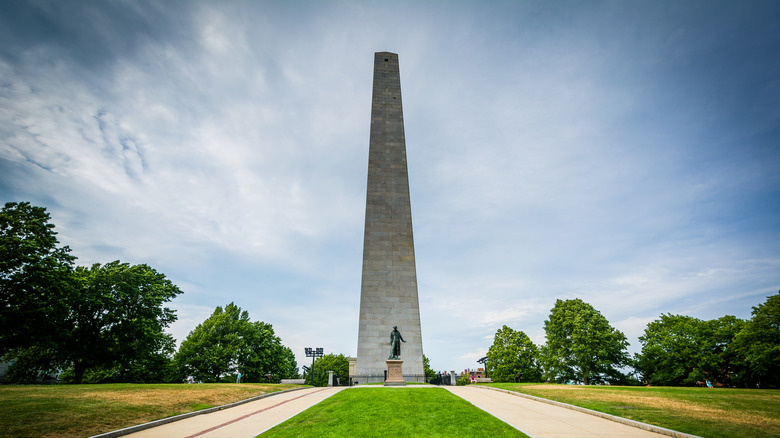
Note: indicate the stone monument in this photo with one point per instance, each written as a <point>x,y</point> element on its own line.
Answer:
<point>388,292</point>
<point>395,373</point>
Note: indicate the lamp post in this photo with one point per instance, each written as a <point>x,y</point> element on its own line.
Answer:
<point>483,361</point>
<point>313,353</point>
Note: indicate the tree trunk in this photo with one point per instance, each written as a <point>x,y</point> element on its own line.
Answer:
<point>78,369</point>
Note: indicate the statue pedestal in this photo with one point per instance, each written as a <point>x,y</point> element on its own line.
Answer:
<point>395,373</point>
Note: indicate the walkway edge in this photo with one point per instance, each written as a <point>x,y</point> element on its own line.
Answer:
<point>160,422</point>
<point>626,421</point>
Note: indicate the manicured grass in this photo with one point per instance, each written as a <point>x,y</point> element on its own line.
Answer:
<point>402,412</point>
<point>86,410</point>
<point>705,412</point>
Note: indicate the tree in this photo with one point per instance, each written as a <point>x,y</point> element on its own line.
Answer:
<point>719,356</point>
<point>227,343</point>
<point>429,372</point>
<point>670,353</point>
<point>285,366</point>
<point>582,345</point>
<point>682,350</point>
<point>512,354</point>
<point>263,357</point>
<point>758,346</point>
<point>339,364</point>
<point>36,284</point>
<point>118,319</point>
<point>54,316</point>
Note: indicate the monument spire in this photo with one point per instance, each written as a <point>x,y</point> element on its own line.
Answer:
<point>388,292</point>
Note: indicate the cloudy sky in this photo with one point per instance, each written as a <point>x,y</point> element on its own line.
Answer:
<point>624,153</point>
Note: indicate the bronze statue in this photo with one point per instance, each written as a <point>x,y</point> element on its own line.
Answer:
<point>395,343</point>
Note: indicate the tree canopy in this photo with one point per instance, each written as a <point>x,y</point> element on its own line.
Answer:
<point>119,318</point>
<point>757,346</point>
<point>227,343</point>
<point>36,280</point>
<point>513,354</point>
<point>681,350</point>
<point>338,363</point>
<point>429,372</point>
<point>670,351</point>
<point>55,316</point>
<point>582,346</point>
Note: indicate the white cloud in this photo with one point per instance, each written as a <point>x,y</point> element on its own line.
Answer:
<point>551,155</point>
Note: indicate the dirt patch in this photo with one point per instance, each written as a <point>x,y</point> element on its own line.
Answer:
<point>177,396</point>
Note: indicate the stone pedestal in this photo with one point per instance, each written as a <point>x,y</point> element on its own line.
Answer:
<point>330,378</point>
<point>395,373</point>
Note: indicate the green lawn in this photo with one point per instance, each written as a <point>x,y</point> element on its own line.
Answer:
<point>84,410</point>
<point>71,411</point>
<point>705,412</point>
<point>401,412</point>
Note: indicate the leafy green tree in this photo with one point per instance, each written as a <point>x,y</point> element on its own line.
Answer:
<point>429,372</point>
<point>513,354</point>
<point>119,318</point>
<point>228,343</point>
<point>758,346</point>
<point>285,366</point>
<point>263,357</point>
<point>106,318</point>
<point>339,364</point>
<point>719,360</point>
<point>582,345</point>
<point>671,351</point>
<point>152,367</point>
<point>36,285</point>
<point>682,350</point>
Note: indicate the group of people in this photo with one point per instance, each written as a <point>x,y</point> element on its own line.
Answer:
<point>706,382</point>
<point>191,379</point>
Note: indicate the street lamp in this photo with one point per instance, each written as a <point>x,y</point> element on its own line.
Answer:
<point>313,353</point>
<point>482,361</point>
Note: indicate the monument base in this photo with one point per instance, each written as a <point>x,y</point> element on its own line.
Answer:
<point>395,373</point>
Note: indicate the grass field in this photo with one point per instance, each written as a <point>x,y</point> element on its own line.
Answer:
<point>401,412</point>
<point>699,411</point>
<point>86,410</point>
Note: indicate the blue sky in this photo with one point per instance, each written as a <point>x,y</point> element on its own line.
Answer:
<point>624,153</point>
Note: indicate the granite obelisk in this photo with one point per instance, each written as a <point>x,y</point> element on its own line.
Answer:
<point>388,292</point>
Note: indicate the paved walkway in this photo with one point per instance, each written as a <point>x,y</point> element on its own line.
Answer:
<point>535,418</point>
<point>542,420</point>
<point>243,421</point>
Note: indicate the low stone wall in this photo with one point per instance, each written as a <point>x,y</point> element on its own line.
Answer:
<point>294,381</point>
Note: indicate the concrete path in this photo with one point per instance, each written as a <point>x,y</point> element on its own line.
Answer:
<point>243,421</point>
<point>541,420</point>
<point>537,419</point>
